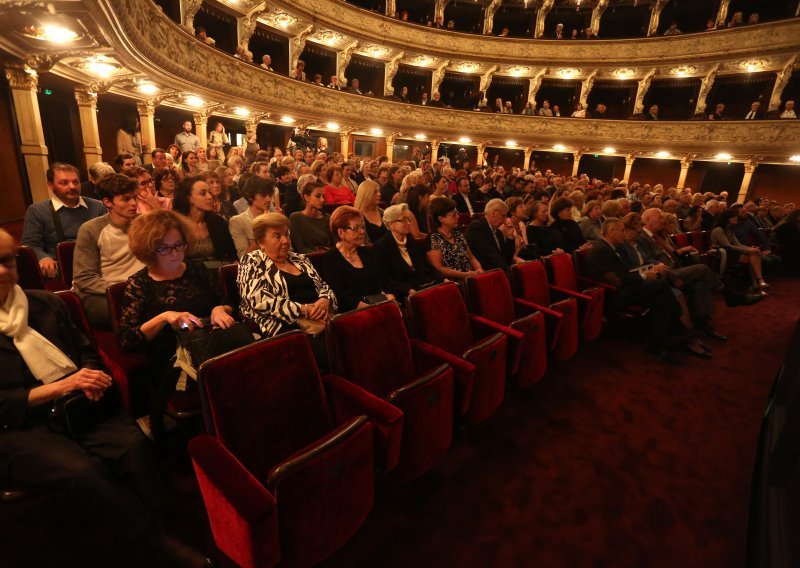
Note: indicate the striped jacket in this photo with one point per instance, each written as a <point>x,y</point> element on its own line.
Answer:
<point>265,297</point>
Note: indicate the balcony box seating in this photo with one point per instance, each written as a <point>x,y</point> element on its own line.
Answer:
<point>371,348</point>
<point>489,296</point>
<point>475,347</point>
<point>284,477</point>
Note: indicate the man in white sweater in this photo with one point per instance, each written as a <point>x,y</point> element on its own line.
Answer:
<point>102,256</point>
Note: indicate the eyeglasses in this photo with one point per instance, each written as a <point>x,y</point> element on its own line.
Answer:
<point>453,213</point>
<point>357,228</point>
<point>165,250</point>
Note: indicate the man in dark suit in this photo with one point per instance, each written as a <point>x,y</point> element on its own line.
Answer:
<point>632,289</point>
<point>463,202</point>
<point>491,239</point>
<point>159,160</point>
<point>354,87</point>
<point>697,281</point>
<point>755,112</point>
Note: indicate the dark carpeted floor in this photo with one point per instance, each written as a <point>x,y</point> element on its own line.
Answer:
<point>615,459</point>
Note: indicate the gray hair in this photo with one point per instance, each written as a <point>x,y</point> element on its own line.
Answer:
<point>98,170</point>
<point>395,212</point>
<point>710,204</point>
<point>609,223</point>
<point>496,204</point>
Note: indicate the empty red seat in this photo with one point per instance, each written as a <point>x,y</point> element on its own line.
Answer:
<point>284,476</point>
<point>591,294</point>
<point>559,306</point>
<point>473,345</point>
<point>370,347</point>
<point>65,252</point>
<point>30,275</point>
<point>681,240</point>
<point>489,296</point>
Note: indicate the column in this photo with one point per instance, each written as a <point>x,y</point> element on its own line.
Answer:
<point>586,88</point>
<point>24,82</point>
<point>246,26</point>
<point>201,127</point>
<point>533,85</point>
<point>541,15</point>
<point>147,112</point>
<point>344,141</point>
<point>576,162</point>
<point>390,147</point>
<point>629,159</point>
<point>488,16</point>
<point>390,8</point>
<point>481,149</point>
<point>722,13</point>
<point>686,163</point>
<point>655,16</point>
<point>434,150</point>
<point>705,89</point>
<point>390,70</point>
<point>749,169</point>
<point>438,10</point>
<point>780,84</point>
<point>438,76</point>
<point>87,112</point>
<point>597,13</point>
<point>486,80</point>
<point>526,164</point>
<point>342,61</point>
<point>296,46</point>
<point>189,9</point>
<point>641,91</point>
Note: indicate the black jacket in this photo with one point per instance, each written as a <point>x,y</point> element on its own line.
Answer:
<point>396,275</point>
<point>567,234</point>
<point>48,315</point>
<point>484,247</point>
<point>224,249</point>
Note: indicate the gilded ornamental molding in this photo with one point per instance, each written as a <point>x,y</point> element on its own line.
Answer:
<point>143,36</point>
<point>773,38</point>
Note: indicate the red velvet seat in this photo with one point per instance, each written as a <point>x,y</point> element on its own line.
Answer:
<point>286,476</point>
<point>476,347</point>
<point>701,240</point>
<point>529,280</point>
<point>489,296</point>
<point>371,348</point>
<point>681,240</point>
<point>591,295</point>
<point>65,252</point>
<point>30,276</point>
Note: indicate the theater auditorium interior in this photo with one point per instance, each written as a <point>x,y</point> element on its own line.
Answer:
<point>390,283</point>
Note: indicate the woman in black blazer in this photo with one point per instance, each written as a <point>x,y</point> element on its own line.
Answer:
<point>566,232</point>
<point>403,266</point>
<point>214,242</point>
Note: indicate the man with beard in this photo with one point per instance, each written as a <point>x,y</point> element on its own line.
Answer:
<point>58,219</point>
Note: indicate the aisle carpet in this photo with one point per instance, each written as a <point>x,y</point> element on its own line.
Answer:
<point>616,459</point>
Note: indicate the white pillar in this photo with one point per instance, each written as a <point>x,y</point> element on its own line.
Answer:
<point>629,159</point>
<point>434,150</point>
<point>87,112</point>
<point>147,112</point>
<point>541,15</point>
<point>655,16</point>
<point>749,170</point>
<point>686,163</point>
<point>526,164</point>
<point>576,162</point>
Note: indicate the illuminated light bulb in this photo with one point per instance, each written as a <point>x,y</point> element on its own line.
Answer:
<point>58,34</point>
<point>287,119</point>
<point>376,131</point>
<point>239,111</point>
<point>419,136</point>
<point>663,154</point>
<point>464,140</point>
<point>98,66</point>
<point>511,143</point>
<point>332,126</point>
<point>723,156</point>
<point>559,147</point>
<point>609,150</point>
<point>195,101</point>
<point>148,89</point>
<point>795,158</point>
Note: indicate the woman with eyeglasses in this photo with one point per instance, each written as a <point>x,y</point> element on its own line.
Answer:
<point>403,266</point>
<point>352,270</point>
<point>171,292</point>
<point>448,251</point>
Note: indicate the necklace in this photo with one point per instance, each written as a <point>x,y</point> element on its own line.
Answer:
<point>350,257</point>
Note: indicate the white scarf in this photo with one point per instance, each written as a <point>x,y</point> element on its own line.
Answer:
<point>46,362</point>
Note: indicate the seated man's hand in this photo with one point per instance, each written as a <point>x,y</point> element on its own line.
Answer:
<point>49,267</point>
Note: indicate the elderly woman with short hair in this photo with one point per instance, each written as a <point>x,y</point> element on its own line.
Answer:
<point>403,266</point>
<point>352,270</point>
<point>280,288</point>
<point>591,222</point>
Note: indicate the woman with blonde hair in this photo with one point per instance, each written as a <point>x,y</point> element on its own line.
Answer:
<point>218,138</point>
<point>409,181</point>
<point>368,197</point>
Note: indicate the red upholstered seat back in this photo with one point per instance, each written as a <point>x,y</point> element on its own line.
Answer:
<point>440,318</point>
<point>530,282</point>
<point>227,275</point>
<point>265,401</point>
<point>700,240</point>
<point>490,296</point>
<point>114,295</point>
<point>681,240</point>
<point>77,313</point>
<point>370,347</point>
<point>65,252</point>
<point>30,276</point>
<point>563,271</point>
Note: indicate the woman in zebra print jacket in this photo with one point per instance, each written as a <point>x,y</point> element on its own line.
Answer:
<point>278,287</point>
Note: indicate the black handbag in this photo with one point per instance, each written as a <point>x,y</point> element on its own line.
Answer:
<point>207,342</point>
<point>74,414</point>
